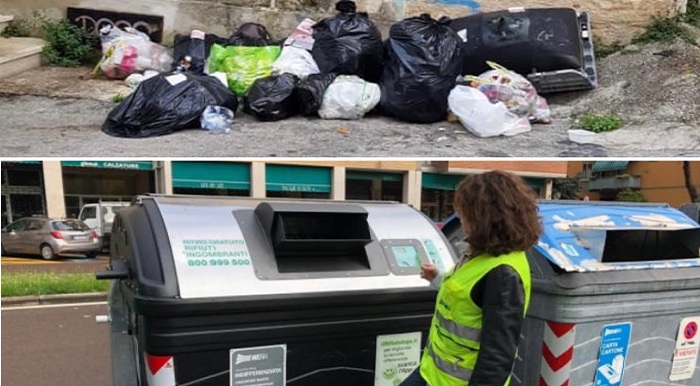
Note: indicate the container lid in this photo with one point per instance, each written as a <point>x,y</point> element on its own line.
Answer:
<point>573,233</point>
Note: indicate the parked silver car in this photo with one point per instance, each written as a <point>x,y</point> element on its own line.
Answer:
<point>50,237</point>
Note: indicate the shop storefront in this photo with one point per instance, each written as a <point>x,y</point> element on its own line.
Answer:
<point>22,190</point>
<point>93,181</point>
<point>363,185</point>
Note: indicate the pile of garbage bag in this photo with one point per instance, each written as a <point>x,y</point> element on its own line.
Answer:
<point>338,68</point>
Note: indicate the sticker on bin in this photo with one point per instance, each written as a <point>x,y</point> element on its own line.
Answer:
<point>685,356</point>
<point>259,366</point>
<point>588,237</point>
<point>614,344</point>
<point>397,356</point>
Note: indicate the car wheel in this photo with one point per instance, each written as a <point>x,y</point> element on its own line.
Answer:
<point>47,252</point>
<point>91,255</point>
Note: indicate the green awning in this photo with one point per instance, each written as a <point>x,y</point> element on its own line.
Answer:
<point>441,181</point>
<point>129,165</point>
<point>211,175</point>
<point>361,175</point>
<point>609,166</point>
<point>287,178</point>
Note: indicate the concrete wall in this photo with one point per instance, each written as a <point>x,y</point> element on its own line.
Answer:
<point>613,20</point>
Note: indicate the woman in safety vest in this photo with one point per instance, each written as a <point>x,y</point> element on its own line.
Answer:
<point>482,301</point>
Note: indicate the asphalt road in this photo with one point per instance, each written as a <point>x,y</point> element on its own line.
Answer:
<point>55,345</point>
<point>38,126</point>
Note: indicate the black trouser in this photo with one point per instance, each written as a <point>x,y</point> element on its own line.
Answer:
<point>415,379</point>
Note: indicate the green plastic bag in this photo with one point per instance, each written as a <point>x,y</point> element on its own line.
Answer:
<point>242,65</point>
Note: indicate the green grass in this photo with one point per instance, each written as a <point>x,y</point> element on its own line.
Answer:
<point>665,30</point>
<point>21,284</point>
<point>118,98</point>
<point>599,123</point>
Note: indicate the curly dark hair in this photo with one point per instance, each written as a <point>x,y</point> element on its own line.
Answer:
<point>498,212</point>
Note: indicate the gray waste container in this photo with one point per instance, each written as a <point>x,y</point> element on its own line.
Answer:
<point>223,291</point>
<point>616,296</point>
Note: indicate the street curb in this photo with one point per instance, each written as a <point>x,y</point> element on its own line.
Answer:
<point>54,299</point>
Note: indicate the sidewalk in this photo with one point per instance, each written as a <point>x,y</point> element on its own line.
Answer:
<point>33,300</point>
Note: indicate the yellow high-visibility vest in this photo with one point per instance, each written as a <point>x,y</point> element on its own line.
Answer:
<point>454,340</point>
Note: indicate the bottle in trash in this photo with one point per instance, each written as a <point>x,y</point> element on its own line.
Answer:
<point>196,56</point>
<point>217,119</point>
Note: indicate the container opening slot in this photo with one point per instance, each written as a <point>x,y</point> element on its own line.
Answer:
<point>320,242</point>
<point>647,245</point>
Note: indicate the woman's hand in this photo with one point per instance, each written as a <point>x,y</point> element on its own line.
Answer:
<point>428,271</point>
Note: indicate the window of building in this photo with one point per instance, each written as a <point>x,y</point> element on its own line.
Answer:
<point>373,186</point>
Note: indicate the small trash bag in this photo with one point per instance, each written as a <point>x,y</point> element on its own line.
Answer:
<point>167,103</point>
<point>348,43</point>
<point>242,65</point>
<point>217,119</point>
<point>188,45</point>
<point>310,92</point>
<point>272,98</point>
<point>483,118</point>
<point>349,97</point>
<point>514,90</point>
<point>423,60</point>
<point>296,61</point>
<point>250,35</point>
<point>127,51</point>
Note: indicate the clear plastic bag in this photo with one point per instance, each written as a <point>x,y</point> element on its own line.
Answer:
<point>514,90</point>
<point>483,118</point>
<point>125,52</point>
<point>217,119</point>
<point>295,61</point>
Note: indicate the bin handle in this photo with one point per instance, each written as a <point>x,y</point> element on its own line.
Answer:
<point>117,271</point>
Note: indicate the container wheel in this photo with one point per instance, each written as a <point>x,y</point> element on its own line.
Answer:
<point>47,252</point>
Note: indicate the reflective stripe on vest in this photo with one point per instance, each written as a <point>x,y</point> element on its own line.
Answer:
<point>458,330</point>
<point>449,368</point>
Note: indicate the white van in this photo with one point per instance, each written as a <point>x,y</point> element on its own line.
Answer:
<point>99,216</point>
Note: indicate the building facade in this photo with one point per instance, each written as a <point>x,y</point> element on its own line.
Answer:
<point>657,181</point>
<point>61,188</point>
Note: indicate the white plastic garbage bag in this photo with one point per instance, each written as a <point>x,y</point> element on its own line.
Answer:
<point>483,118</point>
<point>295,61</point>
<point>125,52</point>
<point>349,97</point>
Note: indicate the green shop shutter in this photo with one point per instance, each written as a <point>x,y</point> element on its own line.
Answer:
<point>211,175</point>
<point>288,178</point>
<point>128,165</point>
<point>441,181</point>
<point>361,175</point>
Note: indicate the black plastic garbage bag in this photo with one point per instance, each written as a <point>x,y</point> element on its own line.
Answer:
<point>187,46</point>
<point>423,59</point>
<point>310,92</point>
<point>273,98</point>
<point>348,44</point>
<point>167,103</point>
<point>250,35</point>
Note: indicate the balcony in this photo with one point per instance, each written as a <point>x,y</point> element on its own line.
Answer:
<point>615,183</point>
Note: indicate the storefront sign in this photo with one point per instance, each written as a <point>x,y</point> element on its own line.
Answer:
<point>259,366</point>
<point>398,356</point>
<point>614,343</point>
<point>686,354</point>
<point>129,165</point>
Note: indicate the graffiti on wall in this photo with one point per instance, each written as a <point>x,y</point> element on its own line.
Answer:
<point>474,5</point>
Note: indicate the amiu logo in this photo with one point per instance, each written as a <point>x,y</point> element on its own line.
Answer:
<point>242,358</point>
<point>609,331</point>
